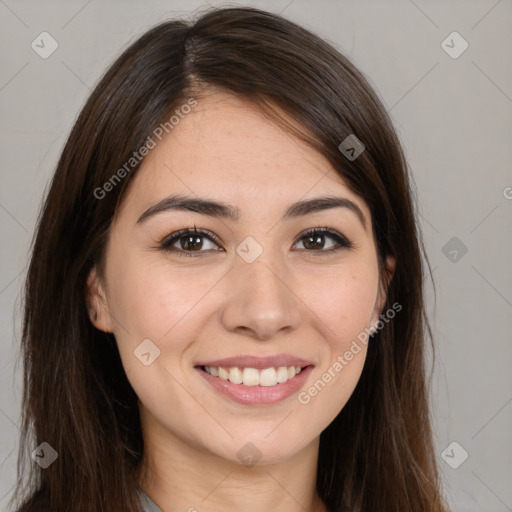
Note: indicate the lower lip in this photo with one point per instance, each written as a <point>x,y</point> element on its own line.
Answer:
<point>257,395</point>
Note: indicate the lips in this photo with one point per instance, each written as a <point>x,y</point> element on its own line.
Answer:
<point>256,380</point>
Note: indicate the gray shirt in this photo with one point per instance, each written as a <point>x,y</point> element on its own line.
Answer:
<point>148,505</point>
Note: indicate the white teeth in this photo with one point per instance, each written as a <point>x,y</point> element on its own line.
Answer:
<point>268,377</point>
<point>235,375</point>
<point>282,374</point>
<point>254,377</point>
<point>223,374</point>
<point>251,377</point>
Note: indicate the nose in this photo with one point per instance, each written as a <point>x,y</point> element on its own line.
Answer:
<point>260,300</point>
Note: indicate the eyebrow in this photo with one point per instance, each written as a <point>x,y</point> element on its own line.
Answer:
<point>227,211</point>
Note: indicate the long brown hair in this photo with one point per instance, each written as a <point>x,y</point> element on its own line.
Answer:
<point>378,454</point>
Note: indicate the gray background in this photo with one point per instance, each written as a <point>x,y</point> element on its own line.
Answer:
<point>454,117</point>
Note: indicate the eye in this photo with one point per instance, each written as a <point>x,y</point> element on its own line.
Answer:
<point>188,241</point>
<point>314,240</point>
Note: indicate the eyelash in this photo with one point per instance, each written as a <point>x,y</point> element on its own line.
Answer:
<point>166,244</point>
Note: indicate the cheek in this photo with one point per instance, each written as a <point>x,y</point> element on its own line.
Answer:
<point>343,307</point>
<point>343,302</point>
<point>150,298</point>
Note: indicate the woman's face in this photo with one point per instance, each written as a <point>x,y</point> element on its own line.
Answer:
<point>250,299</point>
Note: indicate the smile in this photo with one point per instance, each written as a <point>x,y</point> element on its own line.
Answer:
<point>253,380</point>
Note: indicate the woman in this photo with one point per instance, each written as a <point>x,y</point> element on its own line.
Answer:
<point>224,306</point>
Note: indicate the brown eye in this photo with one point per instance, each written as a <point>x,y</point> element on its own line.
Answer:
<point>188,241</point>
<point>315,240</point>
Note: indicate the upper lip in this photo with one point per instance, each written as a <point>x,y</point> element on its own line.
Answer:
<point>260,363</point>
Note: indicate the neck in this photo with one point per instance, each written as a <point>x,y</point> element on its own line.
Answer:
<point>181,477</point>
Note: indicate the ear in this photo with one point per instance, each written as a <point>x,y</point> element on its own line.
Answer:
<point>96,301</point>
<point>385,280</point>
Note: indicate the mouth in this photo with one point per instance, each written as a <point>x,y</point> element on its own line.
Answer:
<point>256,381</point>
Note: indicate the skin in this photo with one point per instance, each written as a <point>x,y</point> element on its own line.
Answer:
<point>291,299</point>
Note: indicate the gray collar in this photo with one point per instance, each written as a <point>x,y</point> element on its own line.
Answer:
<point>148,505</point>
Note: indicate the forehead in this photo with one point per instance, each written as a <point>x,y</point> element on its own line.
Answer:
<point>226,148</point>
